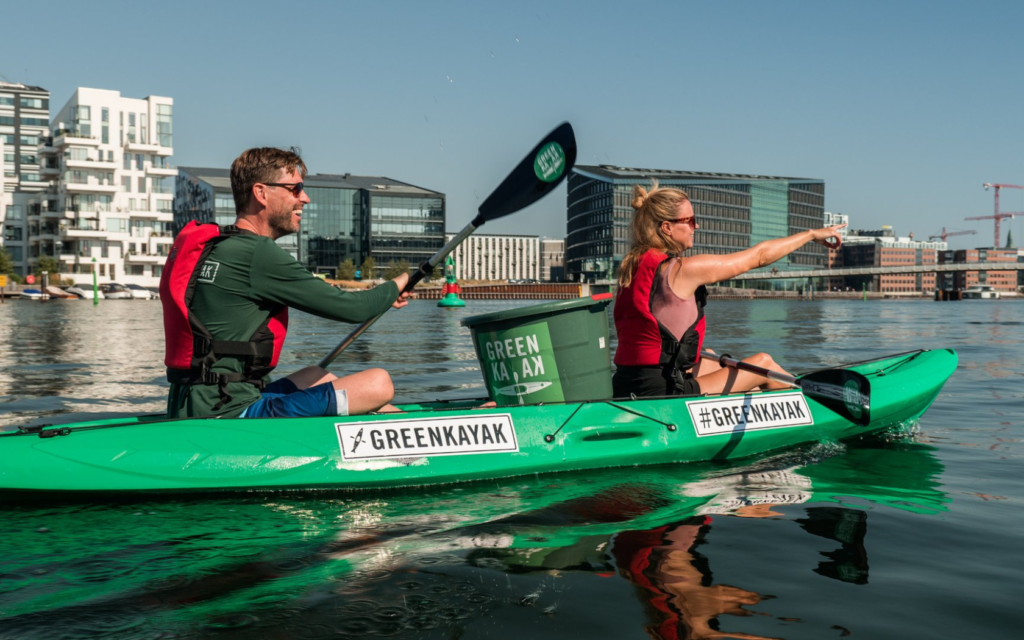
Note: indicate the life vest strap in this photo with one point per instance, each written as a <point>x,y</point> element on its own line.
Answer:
<point>189,377</point>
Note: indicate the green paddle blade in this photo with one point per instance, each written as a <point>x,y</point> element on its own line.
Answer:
<point>538,174</point>
<point>848,393</point>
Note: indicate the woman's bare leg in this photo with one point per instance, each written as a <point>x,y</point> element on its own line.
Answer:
<point>729,380</point>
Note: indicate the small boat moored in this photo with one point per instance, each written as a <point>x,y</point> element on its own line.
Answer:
<point>980,292</point>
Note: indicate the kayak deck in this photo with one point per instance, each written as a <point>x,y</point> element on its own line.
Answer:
<point>443,442</point>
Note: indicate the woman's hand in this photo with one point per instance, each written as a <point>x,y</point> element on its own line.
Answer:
<point>828,236</point>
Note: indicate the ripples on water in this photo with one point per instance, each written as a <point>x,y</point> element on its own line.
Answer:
<point>915,535</point>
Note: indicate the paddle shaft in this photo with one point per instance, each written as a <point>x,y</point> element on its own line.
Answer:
<point>425,269</point>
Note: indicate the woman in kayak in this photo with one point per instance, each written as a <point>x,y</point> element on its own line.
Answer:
<point>659,309</point>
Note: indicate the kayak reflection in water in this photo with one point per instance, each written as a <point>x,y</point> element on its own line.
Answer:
<point>676,581</point>
<point>659,309</point>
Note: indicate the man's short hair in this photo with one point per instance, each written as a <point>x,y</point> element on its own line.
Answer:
<point>261,164</point>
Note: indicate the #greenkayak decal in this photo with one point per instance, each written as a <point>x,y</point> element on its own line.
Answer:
<point>550,162</point>
<point>519,365</point>
<point>720,416</point>
<point>449,436</point>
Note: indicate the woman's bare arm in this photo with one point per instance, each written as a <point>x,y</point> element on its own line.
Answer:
<point>709,268</point>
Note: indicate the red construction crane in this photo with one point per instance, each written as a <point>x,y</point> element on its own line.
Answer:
<point>946,234</point>
<point>998,216</point>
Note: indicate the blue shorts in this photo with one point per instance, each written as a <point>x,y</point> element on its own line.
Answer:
<point>282,399</point>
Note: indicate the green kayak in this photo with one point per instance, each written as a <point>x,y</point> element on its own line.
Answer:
<point>444,442</point>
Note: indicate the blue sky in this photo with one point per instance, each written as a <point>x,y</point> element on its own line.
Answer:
<point>903,108</point>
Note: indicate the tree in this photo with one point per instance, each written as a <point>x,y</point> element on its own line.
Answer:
<point>6,264</point>
<point>50,265</point>
<point>396,269</point>
<point>369,268</point>
<point>347,270</point>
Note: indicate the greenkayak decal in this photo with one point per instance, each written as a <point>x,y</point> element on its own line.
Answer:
<point>550,162</point>
<point>854,400</point>
<point>718,416</point>
<point>445,436</point>
<point>519,365</point>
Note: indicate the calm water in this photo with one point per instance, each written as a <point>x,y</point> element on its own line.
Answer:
<point>915,538</point>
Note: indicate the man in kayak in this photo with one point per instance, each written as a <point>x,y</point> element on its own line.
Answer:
<point>659,309</point>
<point>226,293</point>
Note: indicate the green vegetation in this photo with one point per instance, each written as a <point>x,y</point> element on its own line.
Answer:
<point>396,269</point>
<point>369,268</point>
<point>347,270</point>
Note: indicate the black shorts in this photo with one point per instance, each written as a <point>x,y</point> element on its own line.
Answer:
<point>652,381</point>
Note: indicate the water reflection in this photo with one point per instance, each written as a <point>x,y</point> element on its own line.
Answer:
<point>408,562</point>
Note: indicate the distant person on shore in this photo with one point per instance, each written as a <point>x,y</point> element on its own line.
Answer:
<point>226,293</point>
<point>659,308</point>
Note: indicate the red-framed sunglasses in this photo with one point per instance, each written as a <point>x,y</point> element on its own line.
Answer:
<point>690,220</point>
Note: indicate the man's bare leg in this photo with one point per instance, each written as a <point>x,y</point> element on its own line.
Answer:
<point>367,391</point>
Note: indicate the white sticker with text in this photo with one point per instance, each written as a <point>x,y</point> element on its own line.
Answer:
<point>749,412</point>
<point>452,436</point>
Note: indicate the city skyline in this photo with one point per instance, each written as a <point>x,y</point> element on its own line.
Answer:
<point>903,112</point>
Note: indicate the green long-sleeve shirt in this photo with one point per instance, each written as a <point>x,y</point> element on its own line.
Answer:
<point>244,281</point>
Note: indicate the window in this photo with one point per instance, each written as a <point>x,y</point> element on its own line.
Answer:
<point>34,103</point>
<point>16,253</point>
<point>126,184</point>
<point>117,225</point>
<point>127,164</point>
<point>142,185</point>
<point>12,233</point>
<point>139,161</point>
<point>164,125</point>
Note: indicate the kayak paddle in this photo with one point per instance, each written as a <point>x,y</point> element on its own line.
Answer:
<point>538,174</point>
<point>848,393</point>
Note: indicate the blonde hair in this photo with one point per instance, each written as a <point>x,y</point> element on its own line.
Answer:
<point>651,208</point>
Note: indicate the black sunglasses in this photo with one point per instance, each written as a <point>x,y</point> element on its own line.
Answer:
<point>294,187</point>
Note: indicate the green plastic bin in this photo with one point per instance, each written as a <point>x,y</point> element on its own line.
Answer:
<point>552,352</point>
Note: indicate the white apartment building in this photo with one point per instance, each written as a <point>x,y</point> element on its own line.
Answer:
<point>552,257</point>
<point>108,203</point>
<point>497,257</point>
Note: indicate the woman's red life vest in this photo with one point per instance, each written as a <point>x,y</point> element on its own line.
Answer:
<point>191,350</point>
<point>645,342</point>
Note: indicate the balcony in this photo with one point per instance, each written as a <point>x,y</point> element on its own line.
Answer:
<point>81,231</point>
<point>65,137</point>
<point>49,171</point>
<point>90,163</point>
<point>90,187</point>
<point>148,147</point>
<point>169,170</point>
<point>144,258</point>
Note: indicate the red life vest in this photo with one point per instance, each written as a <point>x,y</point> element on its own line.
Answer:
<point>191,350</point>
<point>645,342</point>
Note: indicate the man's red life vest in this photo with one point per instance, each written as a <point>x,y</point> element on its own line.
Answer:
<point>645,342</point>
<point>190,348</point>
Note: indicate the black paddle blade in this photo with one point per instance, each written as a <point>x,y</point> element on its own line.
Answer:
<point>538,174</point>
<point>848,393</point>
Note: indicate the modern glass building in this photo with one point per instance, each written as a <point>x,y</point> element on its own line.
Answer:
<point>348,217</point>
<point>734,211</point>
